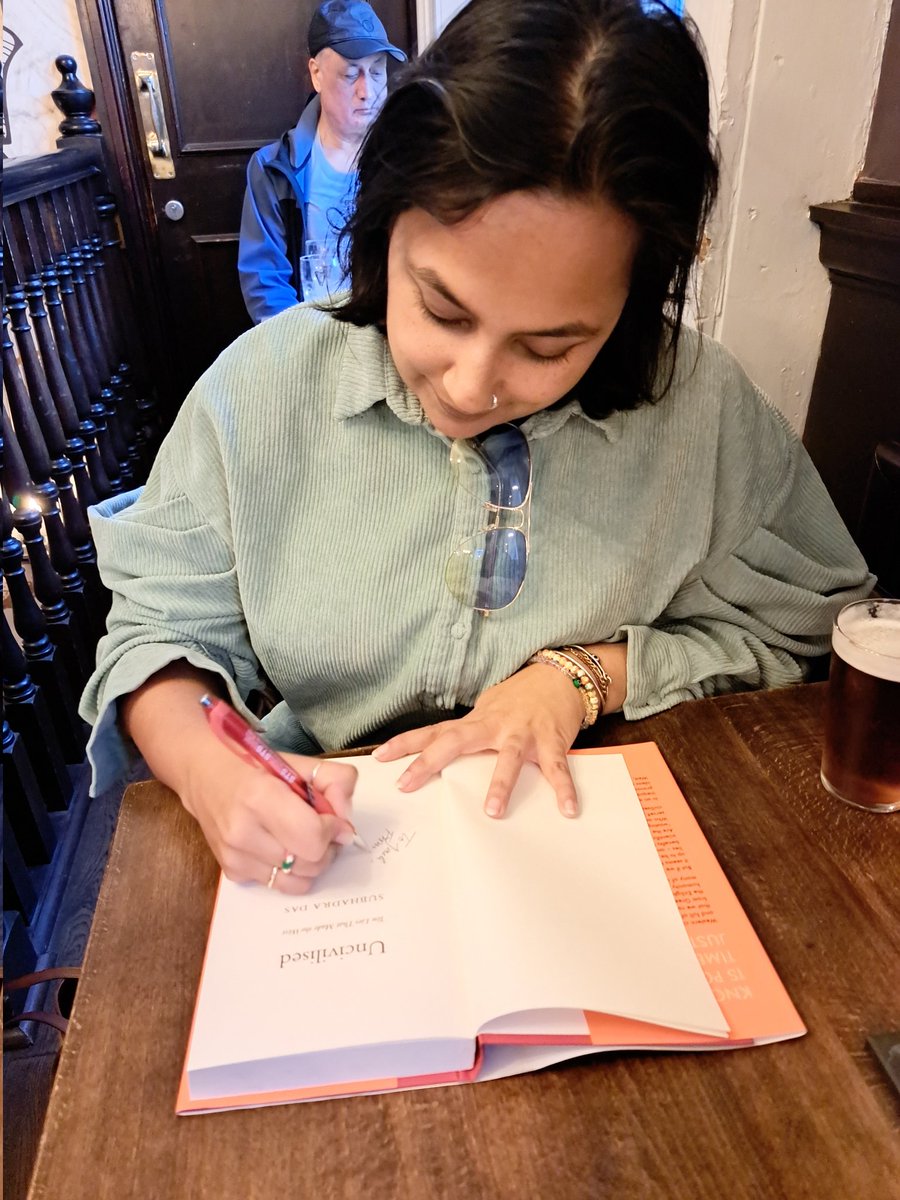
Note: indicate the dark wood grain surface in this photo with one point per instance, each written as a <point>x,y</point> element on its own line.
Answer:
<point>811,1118</point>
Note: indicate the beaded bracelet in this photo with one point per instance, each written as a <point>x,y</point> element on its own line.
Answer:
<point>580,677</point>
<point>582,662</point>
<point>602,677</point>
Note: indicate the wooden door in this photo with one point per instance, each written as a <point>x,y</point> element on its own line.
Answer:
<point>232,76</point>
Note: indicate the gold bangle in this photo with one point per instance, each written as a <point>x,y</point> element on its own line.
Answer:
<point>580,677</point>
<point>602,677</point>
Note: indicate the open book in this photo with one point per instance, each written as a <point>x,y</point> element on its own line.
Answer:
<point>461,948</point>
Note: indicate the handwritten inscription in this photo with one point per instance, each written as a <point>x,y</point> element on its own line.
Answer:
<point>389,844</point>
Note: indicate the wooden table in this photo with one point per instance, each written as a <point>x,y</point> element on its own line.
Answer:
<point>812,1118</point>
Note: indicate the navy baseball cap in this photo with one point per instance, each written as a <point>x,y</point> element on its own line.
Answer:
<point>351,28</point>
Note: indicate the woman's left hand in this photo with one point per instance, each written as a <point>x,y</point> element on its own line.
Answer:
<point>531,717</point>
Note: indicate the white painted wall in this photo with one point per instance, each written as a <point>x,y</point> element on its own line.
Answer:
<point>432,16</point>
<point>46,28</point>
<point>794,90</point>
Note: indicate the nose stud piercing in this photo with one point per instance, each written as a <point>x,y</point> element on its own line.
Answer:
<point>494,402</point>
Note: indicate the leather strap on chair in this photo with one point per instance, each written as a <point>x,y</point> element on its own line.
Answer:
<point>53,1017</point>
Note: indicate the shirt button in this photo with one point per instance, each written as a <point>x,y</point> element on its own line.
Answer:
<point>458,630</point>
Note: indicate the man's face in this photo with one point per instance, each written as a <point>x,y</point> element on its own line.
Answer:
<point>351,91</point>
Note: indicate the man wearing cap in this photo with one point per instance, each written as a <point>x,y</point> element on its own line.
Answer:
<point>300,189</point>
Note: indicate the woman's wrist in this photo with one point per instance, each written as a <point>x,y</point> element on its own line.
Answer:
<point>580,676</point>
<point>598,672</point>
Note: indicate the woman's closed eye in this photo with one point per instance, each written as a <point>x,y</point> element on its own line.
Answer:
<point>462,323</point>
<point>558,358</point>
<point>438,319</point>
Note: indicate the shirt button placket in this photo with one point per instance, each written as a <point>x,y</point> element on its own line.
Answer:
<point>454,623</point>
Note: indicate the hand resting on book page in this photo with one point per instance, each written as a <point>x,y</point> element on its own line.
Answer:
<point>534,716</point>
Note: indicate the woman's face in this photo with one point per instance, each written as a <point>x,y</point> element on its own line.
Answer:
<point>513,302</point>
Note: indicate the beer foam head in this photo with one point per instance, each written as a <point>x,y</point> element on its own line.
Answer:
<point>867,636</point>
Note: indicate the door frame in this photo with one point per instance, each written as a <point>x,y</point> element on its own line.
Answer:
<point>124,154</point>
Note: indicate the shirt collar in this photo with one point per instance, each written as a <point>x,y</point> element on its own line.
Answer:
<point>368,377</point>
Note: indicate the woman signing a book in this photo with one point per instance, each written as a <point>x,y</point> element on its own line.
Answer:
<point>497,491</point>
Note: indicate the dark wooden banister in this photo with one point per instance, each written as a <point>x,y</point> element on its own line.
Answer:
<point>25,178</point>
<point>78,425</point>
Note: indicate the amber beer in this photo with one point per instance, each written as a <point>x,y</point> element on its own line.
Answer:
<point>861,758</point>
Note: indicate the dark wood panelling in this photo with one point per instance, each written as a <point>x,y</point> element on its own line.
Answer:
<point>854,410</point>
<point>879,180</point>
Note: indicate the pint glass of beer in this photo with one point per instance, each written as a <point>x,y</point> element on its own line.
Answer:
<point>861,758</point>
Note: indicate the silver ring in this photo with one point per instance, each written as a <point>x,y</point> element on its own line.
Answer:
<point>273,875</point>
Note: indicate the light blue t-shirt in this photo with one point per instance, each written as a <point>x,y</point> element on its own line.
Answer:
<point>330,200</point>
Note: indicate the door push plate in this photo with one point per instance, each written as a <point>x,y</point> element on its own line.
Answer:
<point>153,117</point>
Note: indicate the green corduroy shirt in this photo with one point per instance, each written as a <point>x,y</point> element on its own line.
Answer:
<point>300,514</point>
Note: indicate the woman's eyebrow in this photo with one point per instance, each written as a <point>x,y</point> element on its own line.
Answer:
<point>571,329</point>
<point>431,278</point>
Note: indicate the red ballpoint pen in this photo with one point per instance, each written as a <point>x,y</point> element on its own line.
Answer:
<point>231,728</point>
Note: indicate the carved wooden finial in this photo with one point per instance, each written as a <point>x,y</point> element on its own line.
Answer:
<point>74,100</point>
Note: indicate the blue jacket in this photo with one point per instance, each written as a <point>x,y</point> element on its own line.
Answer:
<point>272,219</point>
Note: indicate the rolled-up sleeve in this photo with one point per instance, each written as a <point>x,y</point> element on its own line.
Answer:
<point>172,575</point>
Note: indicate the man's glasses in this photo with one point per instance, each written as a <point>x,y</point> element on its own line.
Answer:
<point>487,570</point>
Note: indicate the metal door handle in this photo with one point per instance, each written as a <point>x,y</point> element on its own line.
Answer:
<point>153,116</point>
<point>157,142</point>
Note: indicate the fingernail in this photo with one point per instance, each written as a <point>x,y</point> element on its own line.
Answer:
<point>378,751</point>
<point>570,808</point>
<point>345,837</point>
<point>492,806</point>
<point>404,782</point>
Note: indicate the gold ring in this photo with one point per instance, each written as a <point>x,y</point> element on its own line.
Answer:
<point>273,875</point>
<point>289,861</point>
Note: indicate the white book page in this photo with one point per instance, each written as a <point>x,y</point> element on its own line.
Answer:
<point>568,913</point>
<point>360,959</point>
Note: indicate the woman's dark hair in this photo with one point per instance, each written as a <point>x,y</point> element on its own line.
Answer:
<point>584,98</point>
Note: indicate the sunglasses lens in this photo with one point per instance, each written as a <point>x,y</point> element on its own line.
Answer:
<point>487,571</point>
<point>495,467</point>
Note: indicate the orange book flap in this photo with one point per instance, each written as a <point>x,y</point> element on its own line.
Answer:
<point>745,984</point>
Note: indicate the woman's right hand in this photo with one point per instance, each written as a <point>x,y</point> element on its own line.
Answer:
<point>252,821</point>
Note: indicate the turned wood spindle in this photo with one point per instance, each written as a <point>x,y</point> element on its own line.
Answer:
<point>23,804</point>
<point>41,655</point>
<point>62,398</point>
<point>25,423</point>
<point>68,634</point>
<point>77,383</point>
<point>26,710</point>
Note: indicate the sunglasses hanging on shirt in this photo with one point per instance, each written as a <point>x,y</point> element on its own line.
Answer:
<point>487,570</point>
